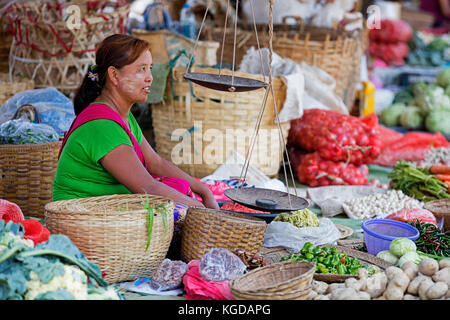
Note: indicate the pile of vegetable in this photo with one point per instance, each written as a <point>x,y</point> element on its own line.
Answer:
<point>417,182</point>
<point>300,218</point>
<point>436,156</point>
<point>378,205</point>
<point>426,281</point>
<point>428,50</point>
<point>432,241</point>
<point>52,270</point>
<point>328,260</point>
<point>442,173</point>
<point>24,132</point>
<point>422,106</point>
<point>390,41</point>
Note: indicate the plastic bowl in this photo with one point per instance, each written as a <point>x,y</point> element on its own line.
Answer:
<point>378,233</point>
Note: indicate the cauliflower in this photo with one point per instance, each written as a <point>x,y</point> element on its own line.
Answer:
<point>9,238</point>
<point>74,281</point>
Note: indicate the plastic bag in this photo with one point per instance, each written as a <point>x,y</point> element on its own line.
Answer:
<point>169,275</point>
<point>54,108</point>
<point>411,215</point>
<point>219,264</point>
<point>286,235</point>
<point>24,132</point>
<point>10,211</point>
<point>197,288</point>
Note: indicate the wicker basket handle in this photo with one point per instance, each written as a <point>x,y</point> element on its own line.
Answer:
<point>300,22</point>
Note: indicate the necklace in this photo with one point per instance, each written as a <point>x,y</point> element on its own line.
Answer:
<point>117,109</point>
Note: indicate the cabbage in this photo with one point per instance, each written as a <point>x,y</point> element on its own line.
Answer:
<point>386,255</point>
<point>432,98</point>
<point>418,88</point>
<point>411,117</point>
<point>447,90</point>
<point>390,116</point>
<point>438,121</point>
<point>443,77</point>
<point>409,256</point>
<point>400,246</point>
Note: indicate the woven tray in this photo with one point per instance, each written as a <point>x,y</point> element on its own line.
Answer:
<point>345,231</point>
<point>440,209</point>
<point>273,255</point>
<point>282,280</point>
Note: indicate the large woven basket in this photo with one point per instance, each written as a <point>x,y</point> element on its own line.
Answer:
<point>284,280</point>
<point>54,49</point>
<point>165,45</point>
<point>441,210</point>
<point>5,45</point>
<point>337,52</point>
<point>204,229</point>
<point>9,88</point>
<point>199,128</point>
<point>112,232</point>
<point>26,175</point>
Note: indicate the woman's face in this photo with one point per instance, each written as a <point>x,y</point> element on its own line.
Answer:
<point>134,80</point>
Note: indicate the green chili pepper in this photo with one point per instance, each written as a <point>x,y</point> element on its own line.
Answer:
<point>324,270</point>
<point>316,251</point>
<point>309,256</point>
<point>342,269</point>
<point>327,260</point>
<point>321,259</point>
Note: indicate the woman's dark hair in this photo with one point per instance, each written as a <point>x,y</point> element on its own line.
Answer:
<point>118,51</point>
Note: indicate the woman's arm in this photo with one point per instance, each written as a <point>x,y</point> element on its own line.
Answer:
<point>445,8</point>
<point>161,167</point>
<point>123,164</point>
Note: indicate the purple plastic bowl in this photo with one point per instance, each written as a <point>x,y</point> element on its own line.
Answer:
<point>378,233</point>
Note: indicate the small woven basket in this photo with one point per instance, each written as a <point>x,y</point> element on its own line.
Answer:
<point>285,280</point>
<point>26,175</point>
<point>441,210</point>
<point>9,88</point>
<point>204,229</point>
<point>112,232</point>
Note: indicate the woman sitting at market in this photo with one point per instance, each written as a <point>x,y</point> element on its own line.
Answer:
<point>104,152</point>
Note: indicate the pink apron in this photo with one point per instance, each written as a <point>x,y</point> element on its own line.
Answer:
<point>101,111</point>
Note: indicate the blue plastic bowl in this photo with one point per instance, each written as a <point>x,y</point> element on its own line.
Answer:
<point>378,233</point>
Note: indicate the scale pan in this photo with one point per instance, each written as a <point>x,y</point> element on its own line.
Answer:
<point>266,200</point>
<point>224,82</point>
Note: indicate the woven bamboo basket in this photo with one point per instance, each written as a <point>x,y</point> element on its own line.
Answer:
<point>26,175</point>
<point>5,45</point>
<point>9,88</point>
<point>337,52</point>
<point>204,229</point>
<point>441,210</point>
<point>166,45</point>
<point>284,280</point>
<point>53,45</point>
<point>112,232</point>
<point>212,124</point>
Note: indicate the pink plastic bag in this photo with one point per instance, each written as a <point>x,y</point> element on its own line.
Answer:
<point>217,189</point>
<point>10,211</point>
<point>198,288</point>
<point>411,215</point>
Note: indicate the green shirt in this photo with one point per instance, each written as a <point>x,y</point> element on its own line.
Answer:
<point>79,173</point>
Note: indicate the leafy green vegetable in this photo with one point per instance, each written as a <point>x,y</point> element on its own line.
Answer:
<point>400,246</point>
<point>411,117</point>
<point>391,115</point>
<point>417,182</point>
<point>409,256</point>
<point>443,77</point>
<point>388,256</point>
<point>438,121</point>
<point>433,98</point>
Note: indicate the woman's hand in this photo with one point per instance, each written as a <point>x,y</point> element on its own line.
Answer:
<point>209,201</point>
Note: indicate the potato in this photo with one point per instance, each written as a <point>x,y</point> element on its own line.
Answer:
<point>410,269</point>
<point>343,294</point>
<point>428,266</point>
<point>437,290</point>
<point>376,284</point>
<point>363,296</point>
<point>393,293</point>
<point>444,263</point>
<point>414,284</point>
<point>400,280</point>
<point>312,295</point>
<point>319,286</point>
<point>423,288</point>
<point>410,297</point>
<point>442,275</point>
<point>391,271</point>
<point>335,286</point>
<point>353,283</point>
